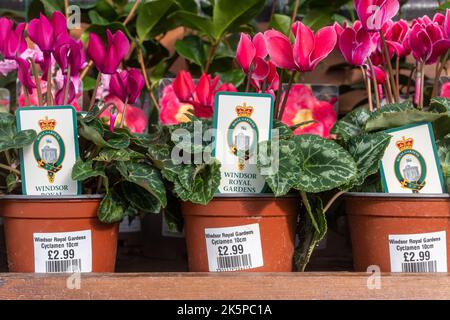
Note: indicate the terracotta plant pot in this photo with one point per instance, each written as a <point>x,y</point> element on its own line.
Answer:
<point>392,231</point>
<point>31,224</point>
<point>260,234</point>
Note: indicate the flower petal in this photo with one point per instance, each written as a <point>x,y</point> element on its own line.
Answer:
<point>245,52</point>
<point>280,49</point>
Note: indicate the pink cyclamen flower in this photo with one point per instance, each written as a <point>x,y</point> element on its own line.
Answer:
<point>127,85</point>
<point>355,45</point>
<point>71,95</point>
<point>12,41</point>
<point>135,119</point>
<point>303,106</point>
<point>445,90</point>
<point>183,97</point>
<point>269,84</point>
<point>446,24</point>
<point>24,74</point>
<point>374,13</point>
<point>44,32</point>
<point>308,49</point>
<point>427,41</point>
<point>396,38</point>
<point>108,58</point>
<point>69,52</point>
<point>250,53</point>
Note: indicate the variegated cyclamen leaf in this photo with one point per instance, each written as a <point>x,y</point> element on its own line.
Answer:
<point>324,165</point>
<point>83,170</point>
<point>282,158</point>
<point>111,208</point>
<point>444,157</point>
<point>110,154</point>
<point>393,107</point>
<point>352,124</point>
<point>139,198</point>
<point>147,177</point>
<point>401,118</point>
<point>368,150</point>
<point>441,105</point>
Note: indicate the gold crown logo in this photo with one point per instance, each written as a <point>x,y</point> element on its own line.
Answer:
<point>47,124</point>
<point>405,143</point>
<point>244,110</point>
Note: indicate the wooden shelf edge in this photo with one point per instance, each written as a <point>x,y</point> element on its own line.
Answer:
<point>227,286</point>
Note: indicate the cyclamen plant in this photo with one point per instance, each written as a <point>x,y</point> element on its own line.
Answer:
<point>112,159</point>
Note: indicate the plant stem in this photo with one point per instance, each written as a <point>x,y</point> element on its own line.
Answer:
<point>66,8</point>
<point>279,92</point>
<point>37,80</point>
<point>286,95</point>
<point>249,80</point>
<point>66,87</point>
<point>408,87</point>
<point>422,83</point>
<point>375,83</point>
<point>49,87</point>
<point>27,96</point>
<point>332,200</point>
<point>212,51</point>
<point>122,121</point>
<point>389,89</point>
<point>148,84</point>
<point>94,94</point>
<point>368,89</point>
<point>294,12</point>
<point>10,169</point>
<point>392,85</point>
<point>86,70</point>
<point>397,73</point>
<point>132,11</point>
<point>439,68</point>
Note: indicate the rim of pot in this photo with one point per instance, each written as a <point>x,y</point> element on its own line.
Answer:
<point>253,195</point>
<point>63,197</point>
<point>396,195</point>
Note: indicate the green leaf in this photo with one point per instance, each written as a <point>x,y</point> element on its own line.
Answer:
<point>284,132</point>
<point>195,22</point>
<point>109,154</point>
<point>368,150</point>
<point>318,18</point>
<point>196,184</point>
<point>149,15</point>
<point>147,177</point>
<point>111,208</point>
<point>352,124</point>
<point>83,170</point>
<point>96,18</point>
<point>400,118</point>
<point>441,105</point>
<point>281,23</point>
<point>394,107</point>
<point>234,76</point>
<point>307,163</point>
<point>140,198</point>
<point>444,156</point>
<point>191,48</point>
<point>230,14</point>
<point>12,182</point>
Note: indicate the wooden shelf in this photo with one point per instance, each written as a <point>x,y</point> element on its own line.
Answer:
<point>230,286</point>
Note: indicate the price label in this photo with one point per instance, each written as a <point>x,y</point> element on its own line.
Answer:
<point>234,248</point>
<point>63,252</point>
<point>425,252</point>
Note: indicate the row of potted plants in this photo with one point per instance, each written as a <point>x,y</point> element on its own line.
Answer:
<point>127,172</point>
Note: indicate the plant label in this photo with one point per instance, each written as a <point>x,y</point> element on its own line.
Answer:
<point>234,248</point>
<point>63,252</point>
<point>425,252</point>
<point>241,121</point>
<point>46,165</point>
<point>411,163</point>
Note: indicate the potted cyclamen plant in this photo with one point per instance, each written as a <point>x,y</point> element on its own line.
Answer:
<point>396,232</point>
<point>309,165</point>
<point>117,178</point>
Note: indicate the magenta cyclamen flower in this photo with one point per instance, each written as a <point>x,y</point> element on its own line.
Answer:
<point>396,38</point>
<point>355,45</point>
<point>69,52</point>
<point>374,13</point>
<point>427,41</point>
<point>127,85</point>
<point>71,94</point>
<point>12,42</point>
<point>308,51</point>
<point>24,74</point>
<point>250,54</point>
<point>108,58</point>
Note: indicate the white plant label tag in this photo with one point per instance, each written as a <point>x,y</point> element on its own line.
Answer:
<point>241,120</point>
<point>234,248</point>
<point>424,252</point>
<point>46,164</point>
<point>63,252</point>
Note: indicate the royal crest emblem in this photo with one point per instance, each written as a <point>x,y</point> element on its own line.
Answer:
<point>409,166</point>
<point>48,149</point>
<point>242,135</point>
